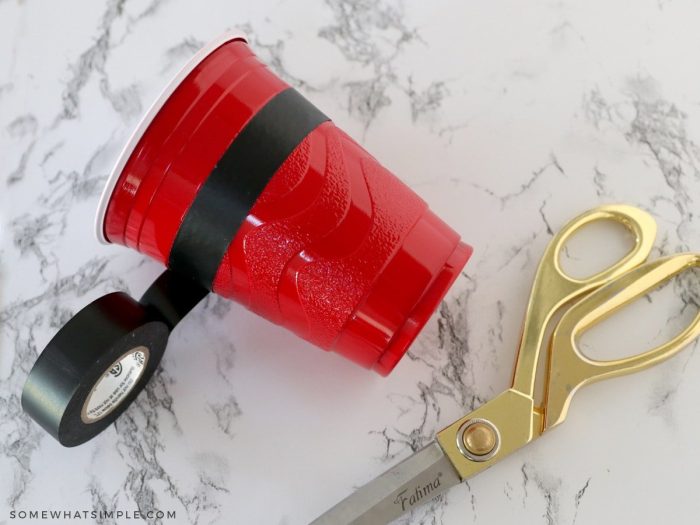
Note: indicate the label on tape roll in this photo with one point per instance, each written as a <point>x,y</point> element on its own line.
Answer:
<point>114,385</point>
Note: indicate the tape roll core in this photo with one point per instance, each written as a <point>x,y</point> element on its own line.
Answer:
<point>115,384</point>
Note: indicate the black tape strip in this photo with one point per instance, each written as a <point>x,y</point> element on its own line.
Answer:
<point>97,364</point>
<point>171,297</point>
<point>228,194</point>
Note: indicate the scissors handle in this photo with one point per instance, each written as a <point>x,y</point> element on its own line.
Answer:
<point>552,287</point>
<point>640,223</point>
<point>569,369</point>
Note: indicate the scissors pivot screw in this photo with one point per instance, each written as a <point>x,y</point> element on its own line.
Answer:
<point>478,439</point>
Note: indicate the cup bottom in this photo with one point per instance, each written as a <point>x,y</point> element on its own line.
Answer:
<point>420,315</point>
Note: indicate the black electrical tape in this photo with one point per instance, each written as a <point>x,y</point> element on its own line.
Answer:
<point>97,364</point>
<point>227,196</point>
<point>171,297</point>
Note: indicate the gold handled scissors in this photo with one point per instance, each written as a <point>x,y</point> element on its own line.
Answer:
<point>513,419</point>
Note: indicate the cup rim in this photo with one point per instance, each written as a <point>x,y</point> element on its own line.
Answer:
<point>145,122</point>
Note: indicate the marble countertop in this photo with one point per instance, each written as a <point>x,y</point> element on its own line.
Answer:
<point>509,118</point>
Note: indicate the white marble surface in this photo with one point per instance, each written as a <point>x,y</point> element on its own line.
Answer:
<point>507,117</point>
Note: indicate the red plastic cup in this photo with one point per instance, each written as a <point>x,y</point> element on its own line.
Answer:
<point>335,248</point>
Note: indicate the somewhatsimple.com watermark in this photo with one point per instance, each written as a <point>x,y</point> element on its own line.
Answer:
<point>92,514</point>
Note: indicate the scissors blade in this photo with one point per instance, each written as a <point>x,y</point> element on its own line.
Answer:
<point>414,481</point>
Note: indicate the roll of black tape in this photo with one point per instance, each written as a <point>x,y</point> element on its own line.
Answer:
<point>97,364</point>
